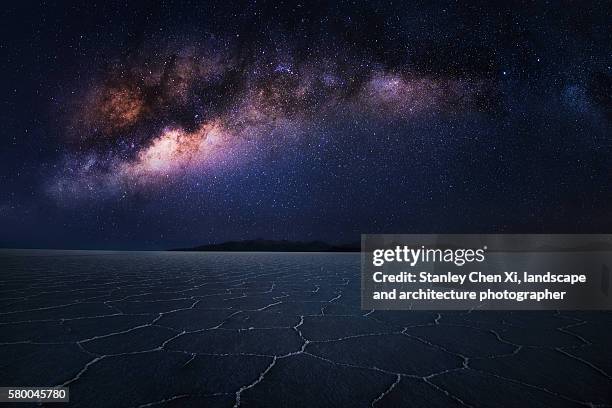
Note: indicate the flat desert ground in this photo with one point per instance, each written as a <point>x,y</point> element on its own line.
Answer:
<point>173,329</point>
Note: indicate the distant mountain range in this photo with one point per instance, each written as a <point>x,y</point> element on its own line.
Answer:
<point>264,245</point>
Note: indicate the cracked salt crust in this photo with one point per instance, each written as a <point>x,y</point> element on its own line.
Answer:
<point>272,311</point>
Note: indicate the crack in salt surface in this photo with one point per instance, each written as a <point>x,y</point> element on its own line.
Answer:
<point>254,383</point>
<point>387,391</point>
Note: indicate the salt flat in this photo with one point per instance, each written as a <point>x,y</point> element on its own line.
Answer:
<point>177,329</point>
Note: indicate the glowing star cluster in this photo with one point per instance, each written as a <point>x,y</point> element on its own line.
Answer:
<point>165,114</point>
<point>176,149</point>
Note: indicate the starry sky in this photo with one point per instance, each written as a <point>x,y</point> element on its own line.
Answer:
<point>146,125</point>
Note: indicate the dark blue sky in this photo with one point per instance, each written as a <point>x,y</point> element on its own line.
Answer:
<point>156,126</point>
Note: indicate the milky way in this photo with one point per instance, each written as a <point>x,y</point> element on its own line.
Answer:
<point>165,113</point>
<point>169,124</point>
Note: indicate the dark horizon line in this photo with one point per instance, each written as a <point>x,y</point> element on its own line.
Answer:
<point>215,247</point>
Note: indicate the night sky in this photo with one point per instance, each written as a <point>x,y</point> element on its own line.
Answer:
<point>145,125</point>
